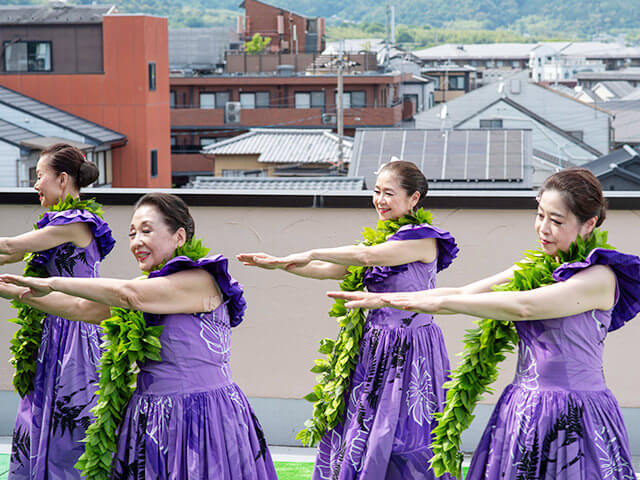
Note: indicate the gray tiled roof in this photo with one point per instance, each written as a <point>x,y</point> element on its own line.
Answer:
<point>473,51</point>
<point>307,184</point>
<point>617,158</point>
<point>64,13</point>
<point>87,129</point>
<point>279,145</point>
<point>13,134</point>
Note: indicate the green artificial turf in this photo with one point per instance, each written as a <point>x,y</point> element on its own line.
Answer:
<point>302,471</point>
<point>285,470</point>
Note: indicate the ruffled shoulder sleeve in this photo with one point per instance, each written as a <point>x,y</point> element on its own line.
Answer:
<point>216,266</point>
<point>447,247</point>
<point>627,271</point>
<point>99,228</point>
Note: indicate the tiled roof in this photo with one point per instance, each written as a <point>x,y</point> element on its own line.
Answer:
<point>472,51</point>
<point>613,160</point>
<point>55,12</point>
<point>307,184</point>
<point>284,146</point>
<point>92,131</point>
<point>617,87</point>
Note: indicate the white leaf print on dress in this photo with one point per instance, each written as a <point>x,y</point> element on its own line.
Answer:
<point>612,465</point>
<point>527,371</point>
<point>420,397</point>
<point>328,452</point>
<point>215,333</point>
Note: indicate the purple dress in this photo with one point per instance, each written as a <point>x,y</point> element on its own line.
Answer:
<point>187,419</point>
<point>397,383</point>
<point>53,417</point>
<point>558,420</point>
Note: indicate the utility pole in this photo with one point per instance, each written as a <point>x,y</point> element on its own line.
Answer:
<point>339,109</point>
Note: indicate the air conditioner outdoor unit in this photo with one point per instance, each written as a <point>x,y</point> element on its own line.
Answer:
<point>329,119</point>
<point>232,112</point>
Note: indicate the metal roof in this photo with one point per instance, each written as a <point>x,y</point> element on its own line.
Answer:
<point>276,145</point>
<point>469,158</point>
<point>625,74</point>
<point>54,13</point>
<point>626,119</point>
<point>515,51</point>
<point>308,184</point>
<point>14,134</point>
<point>619,88</point>
<point>89,130</point>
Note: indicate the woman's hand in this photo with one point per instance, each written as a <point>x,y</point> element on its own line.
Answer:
<point>262,260</point>
<point>12,292</point>
<point>270,262</point>
<point>368,300</point>
<point>421,302</point>
<point>35,287</point>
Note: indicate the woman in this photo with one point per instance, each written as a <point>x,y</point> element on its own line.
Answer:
<point>53,416</point>
<point>557,419</point>
<point>397,383</point>
<point>187,418</point>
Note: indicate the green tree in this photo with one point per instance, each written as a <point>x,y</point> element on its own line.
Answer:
<point>257,44</point>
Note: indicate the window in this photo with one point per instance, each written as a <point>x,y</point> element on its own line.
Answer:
<point>252,100</point>
<point>456,83</point>
<point>214,100</point>
<point>353,99</point>
<point>207,141</point>
<point>244,173</point>
<point>27,56</point>
<point>152,76</point>
<point>154,163</point>
<point>172,99</point>
<point>491,123</point>
<point>309,99</point>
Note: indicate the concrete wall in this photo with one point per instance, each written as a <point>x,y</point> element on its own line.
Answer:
<point>276,345</point>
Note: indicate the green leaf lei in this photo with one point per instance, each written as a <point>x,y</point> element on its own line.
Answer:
<point>328,395</point>
<point>26,341</point>
<point>485,347</point>
<point>127,341</point>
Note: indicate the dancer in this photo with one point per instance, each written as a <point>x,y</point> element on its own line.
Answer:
<point>186,418</point>
<point>397,383</point>
<point>557,419</point>
<point>71,241</point>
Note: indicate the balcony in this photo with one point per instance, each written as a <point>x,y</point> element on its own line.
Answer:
<point>287,117</point>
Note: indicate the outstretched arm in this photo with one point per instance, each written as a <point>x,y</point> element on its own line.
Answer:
<point>385,254</point>
<point>58,304</point>
<point>45,238</point>
<point>314,269</point>
<point>188,291</point>
<point>590,289</point>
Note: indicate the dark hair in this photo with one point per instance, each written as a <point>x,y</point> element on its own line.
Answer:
<point>581,191</point>
<point>66,158</point>
<point>172,208</point>
<point>409,176</point>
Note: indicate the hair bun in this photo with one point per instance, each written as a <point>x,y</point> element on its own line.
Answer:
<point>87,173</point>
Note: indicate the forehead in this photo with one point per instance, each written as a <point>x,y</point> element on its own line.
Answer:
<point>552,201</point>
<point>43,163</point>
<point>386,179</point>
<point>146,214</point>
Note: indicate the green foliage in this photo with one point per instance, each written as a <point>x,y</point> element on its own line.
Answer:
<point>26,341</point>
<point>334,372</point>
<point>257,44</point>
<point>485,347</point>
<point>128,340</point>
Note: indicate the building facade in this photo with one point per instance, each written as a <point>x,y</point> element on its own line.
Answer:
<point>101,66</point>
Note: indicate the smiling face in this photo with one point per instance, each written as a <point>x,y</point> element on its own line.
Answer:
<point>49,185</point>
<point>150,239</point>
<point>556,226</point>
<point>390,199</point>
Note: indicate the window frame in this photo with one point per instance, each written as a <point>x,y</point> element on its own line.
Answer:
<point>152,76</point>
<point>7,44</point>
